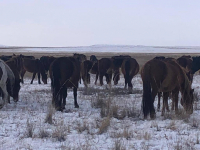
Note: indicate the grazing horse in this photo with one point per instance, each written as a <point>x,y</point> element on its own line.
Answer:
<point>7,83</point>
<point>93,58</point>
<point>46,61</point>
<point>130,68</point>
<point>23,71</point>
<point>80,57</point>
<point>16,88</point>
<point>105,68</point>
<point>159,57</point>
<point>169,78</point>
<point>64,73</point>
<point>117,62</point>
<point>186,62</point>
<point>88,67</point>
<point>5,58</point>
<point>35,66</point>
<point>195,64</point>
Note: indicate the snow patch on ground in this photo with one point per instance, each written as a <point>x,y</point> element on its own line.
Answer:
<point>23,123</point>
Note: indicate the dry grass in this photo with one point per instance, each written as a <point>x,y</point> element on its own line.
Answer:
<point>81,127</point>
<point>43,134</point>
<point>119,145</point>
<point>104,125</point>
<point>51,111</point>
<point>126,133</point>
<point>29,129</point>
<point>172,125</point>
<point>147,136</point>
<point>60,132</point>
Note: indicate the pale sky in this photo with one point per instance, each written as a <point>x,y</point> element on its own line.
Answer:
<point>90,22</point>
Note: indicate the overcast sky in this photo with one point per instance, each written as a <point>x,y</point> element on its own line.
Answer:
<point>90,22</point>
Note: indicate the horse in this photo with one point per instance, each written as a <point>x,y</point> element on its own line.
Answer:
<point>129,68</point>
<point>93,58</point>
<point>36,67</point>
<point>169,78</point>
<point>117,62</point>
<point>159,57</point>
<point>80,57</point>
<point>23,71</point>
<point>195,64</point>
<point>64,73</point>
<point>46,61</point>
<point>105,68</point>
<point>13,65</point>
<point>7,84</point>
<point>88,67</point>
<point>5,58</point>
<point>186,62</point>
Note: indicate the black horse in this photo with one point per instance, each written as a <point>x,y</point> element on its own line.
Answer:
<point>64,73</point>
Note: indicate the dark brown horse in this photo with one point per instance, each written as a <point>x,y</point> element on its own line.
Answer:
<point>64,74</point>
<point>93,58</point>
<point>130,68</point>
<point>23,71</point>
<point>36,67</point>
<point>105,68</point>
<point>169,78</point>
<point>9,83</point>
<point>186,62</point>
<point>80,57</point>
<point>16,88</point>
<point>46,61</point>
<point>117,64</point>
<point>88,67</point>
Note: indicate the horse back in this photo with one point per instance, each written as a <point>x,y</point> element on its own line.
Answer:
<point>65,70</point>
<point>130,66</point>
<point>105,65</point>
<point>31,65</point>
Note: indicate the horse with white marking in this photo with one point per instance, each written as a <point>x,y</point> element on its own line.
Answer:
<point>7,78</point>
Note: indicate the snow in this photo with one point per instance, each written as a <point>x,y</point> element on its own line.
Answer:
<point>108,48</point>
<point>79,128</point>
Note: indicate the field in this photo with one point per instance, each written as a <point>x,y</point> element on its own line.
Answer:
<point>106,119</point>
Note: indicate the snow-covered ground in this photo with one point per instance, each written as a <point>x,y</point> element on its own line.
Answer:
<point>107,48</point>
<point>22,124</point>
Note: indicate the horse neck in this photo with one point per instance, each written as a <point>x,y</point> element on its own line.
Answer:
<point>186,86</point>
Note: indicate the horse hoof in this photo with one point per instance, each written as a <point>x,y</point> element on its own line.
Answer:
<point>153,116</point>
<point>76,106</point>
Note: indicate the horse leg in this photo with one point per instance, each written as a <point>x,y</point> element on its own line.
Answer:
<point>152,109</point>
<point>88,78</point>
<point>97,74</point>
<point>175,99</point>
<point>64,94</point>
<point>75,97</point>
<point>165,102</point>
<point>33,77</point>
<point>5,96</point>
<point>130,85</point>
<point>101,79</point>
<point>38,78</point>
<point>22,73</point>
<point>126,82</point>
<point>159,96</point>
<point>109,80</point>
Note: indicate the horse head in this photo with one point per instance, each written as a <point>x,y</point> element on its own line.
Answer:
<point>16,89</point>
<point>116,76</point>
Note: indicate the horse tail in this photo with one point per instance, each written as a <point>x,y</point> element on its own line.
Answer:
<point>147,101</point>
